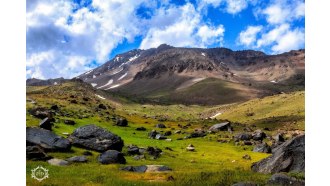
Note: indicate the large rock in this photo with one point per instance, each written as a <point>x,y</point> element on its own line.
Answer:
<point>160,125</point>
<point>243,136</point>
<point>197,133</point>
<point>122,122</point>
<point>282,179</point>
<point>244,184</point>
<point>46,124</point>
<point>258,135</point>
<point>46,139</point>
<point>112,157</point>
<point>153,134</point>
<point>40,112</point>
<point>133,150</point>
<point>220,127</point>
<point>36,153</point>
<point>290,156</point>
<point>262,147</point>
<point>77,159</point>
<point>147,168</point>
<point>96,138</point>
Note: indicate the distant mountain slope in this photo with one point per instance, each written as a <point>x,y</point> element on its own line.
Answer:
<point>40,82</point>
<point>170,74</point>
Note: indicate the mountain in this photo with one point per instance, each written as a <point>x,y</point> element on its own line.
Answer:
<point>186,75</point>
<point>40,82</point>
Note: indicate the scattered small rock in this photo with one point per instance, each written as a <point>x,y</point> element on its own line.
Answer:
<point>282,179</point>
<point>122,122</point>
<point>46,124</point>
<point>190,147</point>
<point>160,125</point>
<point>141,129</point>
<point>78,159</point>
<point>69,122</point>
<point>246,157</point>
<point>87,153</point>
<point>58,162</point>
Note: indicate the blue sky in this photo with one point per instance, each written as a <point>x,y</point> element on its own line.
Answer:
<point>65,38</point>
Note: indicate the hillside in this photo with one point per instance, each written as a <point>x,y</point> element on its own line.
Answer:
<point>170,75</point>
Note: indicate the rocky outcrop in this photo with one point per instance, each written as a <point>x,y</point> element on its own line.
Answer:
<point>290,156</point>
<point>96,138</point>
<point>220,127</point>
<point>46,139</point>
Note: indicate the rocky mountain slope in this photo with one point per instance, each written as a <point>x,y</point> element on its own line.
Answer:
<point>167,74</point>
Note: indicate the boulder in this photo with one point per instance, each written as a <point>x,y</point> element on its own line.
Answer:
<point>190,147</point>
<point>112,157</point>
<point>69,122</point>
<point>279,138</point>
<point>167,133</point>
<point>290,156</point>
<point>133,149</point>
<point>54,107</point>
<point>244,184</point>
<point>46,124</point>
<point>258,135</point>
<point>36,153</point>
<point>78,159</point>
<point>282,179</point>
<point>96,138</point>
<point>139,157</point>
<point>160,137</point>
<point>39,112</point>
<point>122,122</point>
<point>58,162</point>
<point>262,147</point>
<point>147,168</point>
<point>160,125</point>
<point>154,151</point>
<point>141,129</point>
<point>197,133</point>
<point>220,127</point>
<point>153,134</point>
<point>102,106</point>
<point>46,139</point>
<point>243,136</point>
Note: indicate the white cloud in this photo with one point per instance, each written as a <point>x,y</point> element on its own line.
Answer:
<point>229,6</point>
<point>74,39</point>
<point>289,41</point>
<point>273,35</point>
<point>186,29</point>
<point>283,11</point>
<point>248,36</point>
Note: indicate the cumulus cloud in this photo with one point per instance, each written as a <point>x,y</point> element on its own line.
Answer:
<point>229,6</point>
<point>280,35</point>
<point>248,36</point>
<point>73,36</point>
<point>187,29</point>
<point>64,38</point>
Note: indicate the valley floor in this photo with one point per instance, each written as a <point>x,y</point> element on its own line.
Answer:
<point>217,159</point>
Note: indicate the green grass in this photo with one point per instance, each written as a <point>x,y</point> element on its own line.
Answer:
<point>286,111</point>
<point>212,163</point>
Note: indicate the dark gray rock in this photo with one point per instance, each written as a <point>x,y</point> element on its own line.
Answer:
<point>258,135</point>
<point>246,157</point>
<point>153,134</point>
<point>290,156</point>
<point>279,138</point>
<point>282,179</point>
<point>36,153</point>
<point>46,139</point>
<point>69,122</point>
<point>244,184</point>
<point>54,107</point>
<point>46,124</point>
<point>243,136</point>
<point>141,129</point>
<point>102,106</point>
<point>154,151</point>
<point>220,127</point>
<point>197,134</point>
<point>96,138</point>
<point>122,122</point>
<point>77,159</point>
<point>139,157</point>
<point>167,133</point>
<point>141,168</point>
<point>160,137</point>
<point>112,157</point>
<point>39,112</point>
<point>262,147</point>
<point>160,125</point>
<point>87,153</point>
<point>133,149</point>
<point>248,143</point>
